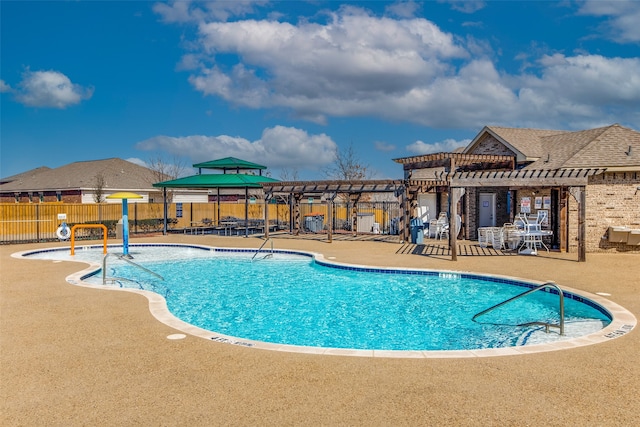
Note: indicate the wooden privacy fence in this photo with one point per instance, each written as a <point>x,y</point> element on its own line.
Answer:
<point>21,222</point>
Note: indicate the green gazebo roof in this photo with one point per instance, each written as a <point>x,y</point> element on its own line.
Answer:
<point>229,163</point>
<point>217,180</point>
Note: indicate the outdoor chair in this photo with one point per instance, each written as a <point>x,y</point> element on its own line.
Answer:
<point>433,228</point>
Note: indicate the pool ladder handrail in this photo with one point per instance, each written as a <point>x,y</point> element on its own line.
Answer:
<point>124,258</point>
<point>530,291</point>
<point>261,246</point>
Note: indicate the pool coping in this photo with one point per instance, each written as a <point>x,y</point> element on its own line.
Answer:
<point>622,320</point>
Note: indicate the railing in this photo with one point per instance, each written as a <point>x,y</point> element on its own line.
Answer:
<point>260,248</point>
<point>73,235</point>
<point>530,291</point>
<point>123,258</point>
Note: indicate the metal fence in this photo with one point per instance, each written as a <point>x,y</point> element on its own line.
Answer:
<point>22,223</point>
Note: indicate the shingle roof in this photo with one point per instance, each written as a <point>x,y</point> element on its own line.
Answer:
<point>23,175</point>
<point>604,147</point>
<point>118,174</point>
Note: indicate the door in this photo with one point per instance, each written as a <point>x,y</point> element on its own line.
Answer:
<point>487,210</point>
<point>427,206</point>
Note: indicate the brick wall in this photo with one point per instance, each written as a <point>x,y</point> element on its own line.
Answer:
<point>613,199</point>
<point>490,145</point>
<point>71,196</point>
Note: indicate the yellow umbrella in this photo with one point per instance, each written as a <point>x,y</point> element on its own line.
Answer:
<point>124,195</point>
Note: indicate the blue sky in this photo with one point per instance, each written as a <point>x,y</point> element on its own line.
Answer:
<point>287,83</point>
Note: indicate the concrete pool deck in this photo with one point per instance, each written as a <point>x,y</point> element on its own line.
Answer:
<point>78,356</point>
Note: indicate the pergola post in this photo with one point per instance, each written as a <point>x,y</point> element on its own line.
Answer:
<point>579,193</point>
<point>354,198</point>
<point>455,194</point>
<point>406,217</point>
<point>296,208</point>
<point>267,197</point>
<point>330,215</point>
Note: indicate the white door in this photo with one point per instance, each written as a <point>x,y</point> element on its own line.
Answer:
<point>487,210</point>
<point>427,206</point>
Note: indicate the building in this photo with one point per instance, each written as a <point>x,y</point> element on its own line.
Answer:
<point>588,181</point>
<point>82,182</point>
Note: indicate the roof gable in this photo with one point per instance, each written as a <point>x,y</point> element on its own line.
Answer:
<point>526,144</point>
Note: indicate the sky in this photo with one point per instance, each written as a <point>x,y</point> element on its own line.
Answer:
<point>288,84</point>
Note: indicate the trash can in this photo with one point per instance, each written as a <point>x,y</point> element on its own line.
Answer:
<point>314,222</point>
<point>417,231</point>
<point>119,229</point>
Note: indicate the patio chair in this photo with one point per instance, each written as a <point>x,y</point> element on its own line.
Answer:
<point>511,235</point>
<point>433,228</point>
<point>483,237</point>
<point>496,235</point>
<point>442,227</point>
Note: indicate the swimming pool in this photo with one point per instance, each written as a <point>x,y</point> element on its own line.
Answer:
<point>296,301</point>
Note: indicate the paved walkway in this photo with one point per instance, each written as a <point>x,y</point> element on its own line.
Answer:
<point>77,356</point>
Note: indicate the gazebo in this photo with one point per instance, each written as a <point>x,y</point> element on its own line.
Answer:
<point>230,178</point>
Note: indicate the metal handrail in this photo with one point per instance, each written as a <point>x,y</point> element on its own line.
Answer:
<point>123,258</point>
<point>530,291</point>
<point>261,246</point>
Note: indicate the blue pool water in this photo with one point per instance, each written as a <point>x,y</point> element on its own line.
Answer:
<point>292,299</point>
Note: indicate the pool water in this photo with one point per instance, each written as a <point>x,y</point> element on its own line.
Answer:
<point>292,299</point>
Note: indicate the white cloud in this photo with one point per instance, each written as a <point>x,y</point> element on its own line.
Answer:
<point>383,146</point>
<point>465,6</point>
<point>50,89</point>
<point>4,87</point>
<point>624,16</point>
<point>188,11</point>
<point>403,9</point>
<point>349,66</point>
<point>581,90</point>
<point>278,147</point>
<point>448,145</point>
<point>351,63</point>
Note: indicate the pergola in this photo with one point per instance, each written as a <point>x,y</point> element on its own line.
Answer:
<point>458,171</point>
<point>354,189</point>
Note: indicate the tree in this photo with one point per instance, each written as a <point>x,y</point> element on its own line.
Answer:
<point>164,171</point>
<point>347,166</point>
<point>289,174</point>
<point>98,189</point>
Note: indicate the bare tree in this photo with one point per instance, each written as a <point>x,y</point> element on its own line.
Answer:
<point>289,174</point>
<point>347,166</point>
<point>98,190</point>
<point>164,171</point>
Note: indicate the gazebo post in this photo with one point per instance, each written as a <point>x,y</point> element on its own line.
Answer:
<point>246,211</point>
<point>218,206</point>
<point>165,211</point>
